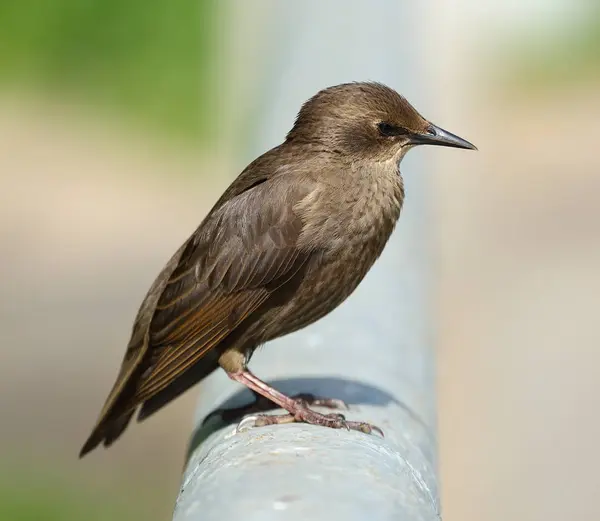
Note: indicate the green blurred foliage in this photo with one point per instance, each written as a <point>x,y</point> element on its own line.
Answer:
<point>45,498</point>
<point>153,62</point>
<point>151,59</point>
<point>558,58</point>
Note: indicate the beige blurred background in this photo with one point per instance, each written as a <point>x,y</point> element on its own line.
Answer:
<point>105,168</point>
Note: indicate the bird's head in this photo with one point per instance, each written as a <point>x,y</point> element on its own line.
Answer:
<point>367,121</point>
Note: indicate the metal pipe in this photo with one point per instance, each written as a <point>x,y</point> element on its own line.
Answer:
<point>374,352</point>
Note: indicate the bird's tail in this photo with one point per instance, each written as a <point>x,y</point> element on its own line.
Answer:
<point>106,432</point>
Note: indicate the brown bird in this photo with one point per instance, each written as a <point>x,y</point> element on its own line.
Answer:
<point>288,242</point>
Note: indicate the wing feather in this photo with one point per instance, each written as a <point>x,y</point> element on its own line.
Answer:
<point>178,359</point>
<point>246,248</point>
<point>231,266</point>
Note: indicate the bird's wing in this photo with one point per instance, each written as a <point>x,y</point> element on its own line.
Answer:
<point>243,251</point>
<point>235,260</point>
<point>191,251</point>
<point>113,418</point>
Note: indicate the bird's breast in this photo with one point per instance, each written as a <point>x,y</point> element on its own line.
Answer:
<point>360,209</point>
<point>361,224</point>
<point>349,228</point>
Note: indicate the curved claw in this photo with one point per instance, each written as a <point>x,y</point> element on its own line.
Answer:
<point>244,425</point>
<point>377,430</point>
<point>367,428</point>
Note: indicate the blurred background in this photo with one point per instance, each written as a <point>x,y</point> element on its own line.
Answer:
<point>121,123</point>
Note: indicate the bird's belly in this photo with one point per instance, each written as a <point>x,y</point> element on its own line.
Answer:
<point>324,288</point>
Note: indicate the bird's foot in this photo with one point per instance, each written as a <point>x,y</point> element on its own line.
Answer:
<point>305,415</point>
<point>297,408</point>
<point>333,421</point>
<point>262,404</point>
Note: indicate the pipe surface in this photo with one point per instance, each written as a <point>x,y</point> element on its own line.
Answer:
<point>374,352</point>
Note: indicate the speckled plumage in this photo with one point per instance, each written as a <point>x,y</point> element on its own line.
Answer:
<point>288,241</point>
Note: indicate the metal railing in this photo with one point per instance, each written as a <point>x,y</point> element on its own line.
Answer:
<point>374,352</point>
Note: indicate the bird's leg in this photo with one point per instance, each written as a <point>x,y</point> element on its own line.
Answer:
<point>263,404</point>
<point>297,408</point>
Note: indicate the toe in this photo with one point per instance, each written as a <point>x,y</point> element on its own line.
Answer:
<point>367,428</point>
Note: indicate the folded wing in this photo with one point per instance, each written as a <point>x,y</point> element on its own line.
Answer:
<point>239,256</point>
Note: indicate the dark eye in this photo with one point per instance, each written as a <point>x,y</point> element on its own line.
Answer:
<point>386,129</point>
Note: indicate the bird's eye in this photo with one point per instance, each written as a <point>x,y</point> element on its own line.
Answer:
<point>389,130</point>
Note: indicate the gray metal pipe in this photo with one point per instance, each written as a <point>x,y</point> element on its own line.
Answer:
<point>374,352</point>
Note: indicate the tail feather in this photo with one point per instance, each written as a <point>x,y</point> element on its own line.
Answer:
<point>106,432</point>
<point>179,386</point>
<point>122,402</point>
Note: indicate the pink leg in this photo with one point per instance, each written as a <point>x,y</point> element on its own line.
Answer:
<point>297,408</point>
<point>262,404</point>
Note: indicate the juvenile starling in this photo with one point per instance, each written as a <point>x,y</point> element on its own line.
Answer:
<point>288,242</point>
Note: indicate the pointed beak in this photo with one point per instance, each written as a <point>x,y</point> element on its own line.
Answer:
<point>438,136</point>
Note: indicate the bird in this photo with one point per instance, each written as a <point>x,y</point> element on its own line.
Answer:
<point>287,242</point>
